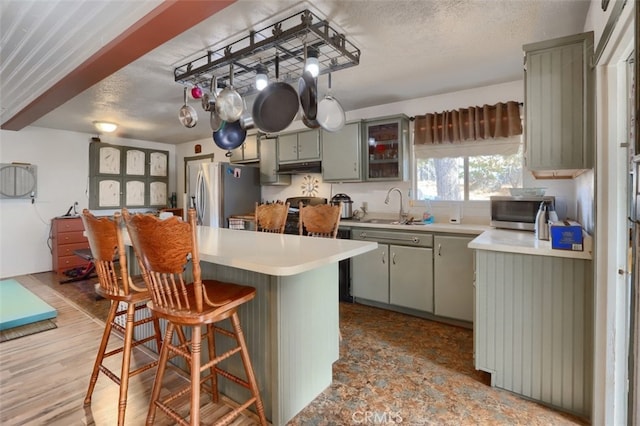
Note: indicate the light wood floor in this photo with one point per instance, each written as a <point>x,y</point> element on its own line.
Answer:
<point>44,377</point>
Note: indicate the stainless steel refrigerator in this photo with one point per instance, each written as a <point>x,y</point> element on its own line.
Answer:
<point>220,190</point>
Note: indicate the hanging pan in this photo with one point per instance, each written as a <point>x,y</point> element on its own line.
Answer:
<point>188,115</point>
<point>229,105</point>
<point>214,119</point>
<point>308,92</point>
<point>330,113</point>
<point>276,105</point>
<point>230,136</point>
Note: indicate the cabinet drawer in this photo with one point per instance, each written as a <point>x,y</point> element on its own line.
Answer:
<point>67,225</point>
<point>68,262</point>
<point>71,237</point>
<point>68,249</point>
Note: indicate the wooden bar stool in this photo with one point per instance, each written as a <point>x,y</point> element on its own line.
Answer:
<point>271,217</point>
<point>321,220</point>
<point>115,284</point>
<point>166,249</point>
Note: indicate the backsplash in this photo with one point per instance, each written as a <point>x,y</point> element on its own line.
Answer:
<point>373,194</point>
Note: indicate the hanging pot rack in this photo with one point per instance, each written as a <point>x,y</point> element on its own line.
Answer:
<point>286,39</point>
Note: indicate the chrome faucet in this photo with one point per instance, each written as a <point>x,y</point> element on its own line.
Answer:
<point>402,217</point>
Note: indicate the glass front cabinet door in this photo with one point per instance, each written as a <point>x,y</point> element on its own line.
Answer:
<point>387,148</point>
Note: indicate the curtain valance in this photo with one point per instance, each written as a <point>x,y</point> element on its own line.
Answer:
<point>468,124</point>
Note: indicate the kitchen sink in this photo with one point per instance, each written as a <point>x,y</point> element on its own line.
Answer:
<point>382,221</point>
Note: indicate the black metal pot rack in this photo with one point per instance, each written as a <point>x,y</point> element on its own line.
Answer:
<point>284,39</point>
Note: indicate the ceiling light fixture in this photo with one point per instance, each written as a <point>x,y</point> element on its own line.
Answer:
<point>262,77</point>
<point>105,126</point>
<point>312,65</point>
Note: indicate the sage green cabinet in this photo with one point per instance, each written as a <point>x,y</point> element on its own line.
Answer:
<point>269,162</point>
<point>533,330</point>
<point>453,277</point>
<point>559,103</point>
<point>411,277</point>
<point>400,275</point>
<point>342,154</point>
<point>370,273</point>
<point>248,152</point>
<point>293,147</point>
<point>386,142</point>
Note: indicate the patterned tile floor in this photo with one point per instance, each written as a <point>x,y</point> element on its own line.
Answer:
<point>393,369</point>
<point>399,369</point>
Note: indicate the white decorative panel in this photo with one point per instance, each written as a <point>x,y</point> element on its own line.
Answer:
<point>135,193</point>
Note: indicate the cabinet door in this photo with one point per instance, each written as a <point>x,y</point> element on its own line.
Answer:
<point>559,103</point>
<point>453,277</point>
<point>309,145</point>
<point>250,150</point>
<point>341,155</point>
<point>288,147</point>
<point>371,275</point>
<point>268,163</point>
<point>386,141</point>
<point>411,277</point>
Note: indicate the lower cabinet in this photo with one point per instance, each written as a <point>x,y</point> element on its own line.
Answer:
<point>453,277</point>
<point>395,274</point>
<point>411,277</point>
<point>534,327</point>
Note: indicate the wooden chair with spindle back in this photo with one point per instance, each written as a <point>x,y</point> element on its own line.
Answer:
<point>167,250</point>
<point>271,217</point>
<point>115,284</point>
<point>321,220</point>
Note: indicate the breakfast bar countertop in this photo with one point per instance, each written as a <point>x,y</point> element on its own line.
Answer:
<point>274,254</point>
<point>524,242</point>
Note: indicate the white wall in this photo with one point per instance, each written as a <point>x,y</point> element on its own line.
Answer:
<point>62,160</point>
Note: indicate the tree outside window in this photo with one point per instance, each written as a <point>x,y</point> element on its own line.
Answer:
<point>468,177</point>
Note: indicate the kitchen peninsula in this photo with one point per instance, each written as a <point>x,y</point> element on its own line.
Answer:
<point>292,325</point>
<point>534,318</point>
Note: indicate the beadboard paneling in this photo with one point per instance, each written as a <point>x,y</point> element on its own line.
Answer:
<point>534,326</point>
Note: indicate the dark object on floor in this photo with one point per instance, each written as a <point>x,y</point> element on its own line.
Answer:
<point>82,272</point>
<point>26,330</point>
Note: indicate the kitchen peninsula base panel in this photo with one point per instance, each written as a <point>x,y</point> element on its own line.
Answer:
<point>292,332</point>
<point>534,327</point>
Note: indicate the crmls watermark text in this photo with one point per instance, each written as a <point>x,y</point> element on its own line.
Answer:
<point>376,417</point>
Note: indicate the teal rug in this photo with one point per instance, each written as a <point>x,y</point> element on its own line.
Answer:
<point>18,306</point>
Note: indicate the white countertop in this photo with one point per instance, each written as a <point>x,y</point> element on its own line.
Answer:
<point>461,228</point>
<point>526,243</point>
<point>274,254</point>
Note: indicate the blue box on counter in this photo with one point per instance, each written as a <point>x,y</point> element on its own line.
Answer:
<point>566,235</point>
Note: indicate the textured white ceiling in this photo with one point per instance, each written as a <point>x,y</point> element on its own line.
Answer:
<point>410,49</point>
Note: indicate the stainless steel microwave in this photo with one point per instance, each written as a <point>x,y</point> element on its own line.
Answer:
<point>517,212</point>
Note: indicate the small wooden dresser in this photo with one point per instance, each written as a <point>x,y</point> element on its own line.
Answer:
<point>67,235</point>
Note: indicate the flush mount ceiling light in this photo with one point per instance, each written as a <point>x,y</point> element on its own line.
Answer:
<point>262,77</point>
<point>312,65</point>
<point>105,126</point>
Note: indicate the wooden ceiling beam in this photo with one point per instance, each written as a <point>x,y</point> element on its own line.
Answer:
<point>166,21</point>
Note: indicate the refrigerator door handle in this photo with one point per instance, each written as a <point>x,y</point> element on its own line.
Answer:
<point>200,197</point>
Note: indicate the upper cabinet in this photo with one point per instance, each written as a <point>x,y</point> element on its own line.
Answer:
<point>248,152</point>
<point>123,176</point>
<point>269,162</point>
<point>300,146</point>
<point>342,154</point>
<point>386,153</point>
<point>559,106</point>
